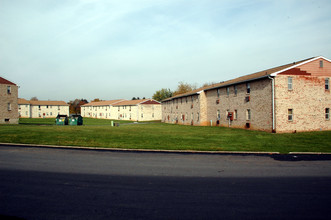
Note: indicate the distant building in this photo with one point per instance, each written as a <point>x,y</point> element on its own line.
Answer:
<point>100,109</point>
<point>42,109</point>
<point>139,110</point>
<point>8,102</point>
<point>289,98</point>
<point>133,110</point>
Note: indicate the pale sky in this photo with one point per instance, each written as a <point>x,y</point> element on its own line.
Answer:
<point>113,49</point>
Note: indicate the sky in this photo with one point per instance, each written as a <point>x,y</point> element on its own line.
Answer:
<point>119,49</point>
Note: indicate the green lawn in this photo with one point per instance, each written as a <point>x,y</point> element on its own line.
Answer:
<point>99,133</point>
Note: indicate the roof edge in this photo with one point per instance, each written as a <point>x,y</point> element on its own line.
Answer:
<point>299,64</point>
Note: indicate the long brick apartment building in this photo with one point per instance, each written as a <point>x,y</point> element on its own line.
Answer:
<point>289,98</point>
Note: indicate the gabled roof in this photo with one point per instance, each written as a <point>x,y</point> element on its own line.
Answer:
<point>193,92</point>
<point>22,101</point>
<point>4,81</point>
<point>246,78</point>
<point>63,103</point>
<point>137,102</point>
<point>262,74</point>
<point>104,103</point>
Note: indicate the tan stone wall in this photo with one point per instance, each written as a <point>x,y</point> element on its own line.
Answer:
<point>260,105</point>
<point>102,112</point>
<point>140,112</point>
<point>24,110</point>
<point>308,99</point>
<point>8,116</point>
<point>185,110</point>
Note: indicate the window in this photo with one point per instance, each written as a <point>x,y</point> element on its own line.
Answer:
<point>248,88</point>
<point>327,114</point>
<point>218,115</point>
<point>327,84</point>
<point>235,117</point>
<point>227,91</point>
<point>321,63</point>
<point>290,114</point>
<point>218,93</point>
<point>9,107</point>
<point>198,116</point>
<point>290,83</point>
<point>8,90</point>
<point>248,114</point>
<point>235,90</point>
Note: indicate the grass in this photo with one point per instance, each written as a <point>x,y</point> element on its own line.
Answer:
<point>99,133</point>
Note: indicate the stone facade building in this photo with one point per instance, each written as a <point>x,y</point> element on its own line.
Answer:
<point>42,109</point>
<point>8,102</point>
<point>133,110</point>
<point>289,98</point>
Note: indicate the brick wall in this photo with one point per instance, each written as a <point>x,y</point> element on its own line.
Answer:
<point>259,101</point>
<point>308,99</point>
<point>8,116</point>
<point>183,110</point>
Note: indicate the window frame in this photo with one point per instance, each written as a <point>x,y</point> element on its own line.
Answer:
<point>327,83</point>
<point>327,113</point>
<point>290,114</point>
<point>290,83</point>
<point>248,114</point>
<point>248,88</point>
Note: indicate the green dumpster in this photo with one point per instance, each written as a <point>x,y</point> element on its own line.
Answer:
<point>76,120</point>
<point>61,120</point>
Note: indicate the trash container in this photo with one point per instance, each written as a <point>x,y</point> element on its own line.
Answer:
<point>76,120</point>
<point>61,120</point>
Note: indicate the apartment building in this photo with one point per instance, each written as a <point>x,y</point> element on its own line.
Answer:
<point>139,110</point>
<point>42,109</point>
<point>8,102</point>
<point>100,109</point>
<point>290,98</point>
<point>131,110</point>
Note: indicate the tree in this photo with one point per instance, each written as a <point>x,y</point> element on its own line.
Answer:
<point>74,106</point>
<point>162,94</point>
<point>96,100</point>
<point>208,84</point>
<point>134,98</point>
<point>184,88</point>
<point>34,98</point>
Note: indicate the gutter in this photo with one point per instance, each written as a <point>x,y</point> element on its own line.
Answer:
<point>273,103</point>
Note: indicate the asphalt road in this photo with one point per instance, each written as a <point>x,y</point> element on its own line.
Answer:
<point>38,183</point>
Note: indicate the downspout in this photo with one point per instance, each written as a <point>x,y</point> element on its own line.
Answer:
<point>273,103</point>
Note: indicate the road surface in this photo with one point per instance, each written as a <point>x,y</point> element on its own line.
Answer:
<point>42,183</point>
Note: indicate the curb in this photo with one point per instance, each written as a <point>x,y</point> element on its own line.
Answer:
<point>254,153</point>
<point>259,153</point>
